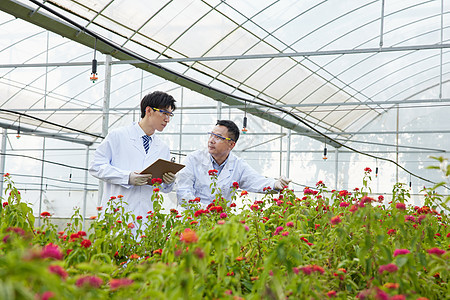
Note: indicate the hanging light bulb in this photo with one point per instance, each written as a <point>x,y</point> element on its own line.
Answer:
<point>94,77</point>
<point>325,153</point>
<point>244,129</point>
<point>376,172</point>
<point>18,130</point>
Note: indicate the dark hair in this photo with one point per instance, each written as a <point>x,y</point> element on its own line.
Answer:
<point>233,130</point>
<point>157,100</point>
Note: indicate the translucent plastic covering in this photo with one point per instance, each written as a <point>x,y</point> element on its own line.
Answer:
<point>371,76</point>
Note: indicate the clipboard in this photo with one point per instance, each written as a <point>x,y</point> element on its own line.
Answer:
<point>161,166</point>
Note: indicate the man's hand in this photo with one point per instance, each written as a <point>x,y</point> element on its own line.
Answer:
<point>168,178</point>
<point>281,183</point>
<point>139,179</point>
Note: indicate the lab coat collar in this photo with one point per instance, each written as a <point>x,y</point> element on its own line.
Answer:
<point>136,133</point>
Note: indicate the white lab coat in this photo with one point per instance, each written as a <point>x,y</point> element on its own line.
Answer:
<point>121,153</point>
<point>194,181</point>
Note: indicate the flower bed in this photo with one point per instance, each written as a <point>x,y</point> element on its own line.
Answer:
<point>285,246</point>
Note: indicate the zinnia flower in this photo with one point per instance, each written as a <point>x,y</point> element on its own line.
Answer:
<point>86,243</point>
<point>235,185</point>
<point>243,193</point>
<point>335,220</point>
<point>400,206</point>
<point>223,215</point>
<point>290,224</point>
<point>189,236</point>
<point>212,172</point>
<point>45,214</point>
<point>58,270</point>
<point>51,251</point>
<point>121,282</point>
<point>92,281</point>
<point>391,268</point>
<point>436,251</point>
<point>401,252</point>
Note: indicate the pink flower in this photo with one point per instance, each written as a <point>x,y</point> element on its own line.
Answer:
<point>58,270</point>
<point>189,236</point>
<point>278,230</point>
<point>286,233</point>
<point>223,215</point>
<point>353,208</point>
<point>391,268</point>
<point>343,204</point>
<point>436,251</point>
<point>401,252</point>
<point>45,295</point>
<point>400,206</point>
<point>92,281</point>
<point>118,283</point>
<point>51,251</point>
<point>290,224</point>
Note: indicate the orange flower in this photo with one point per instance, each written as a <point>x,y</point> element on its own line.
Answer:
<point>189,236</point>
<point>239,258</point>
<point>134,256</point>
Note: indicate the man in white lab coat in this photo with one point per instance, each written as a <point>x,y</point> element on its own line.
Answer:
<point>194,180</point>
<point>128,150</point>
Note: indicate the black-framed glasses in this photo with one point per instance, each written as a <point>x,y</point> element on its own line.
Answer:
<point>164,112</point>
<point>218,138</point>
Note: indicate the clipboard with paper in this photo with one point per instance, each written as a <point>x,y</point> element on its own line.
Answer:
<point>162,166</point>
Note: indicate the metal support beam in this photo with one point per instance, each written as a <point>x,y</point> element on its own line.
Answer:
<point>3,158</point>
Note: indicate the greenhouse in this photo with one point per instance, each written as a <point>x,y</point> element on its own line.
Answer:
<point>344,98</point>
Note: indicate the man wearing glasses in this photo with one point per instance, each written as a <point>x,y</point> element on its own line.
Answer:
<point>128,150</point>
<point>194,181</point>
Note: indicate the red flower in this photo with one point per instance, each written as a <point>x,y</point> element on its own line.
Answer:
<point>156,180</point>
<point>189,236</point>
<point>235,185</point>
<point>45,214</point>
<point>130,225</point>
<point>92,281</point>
<point>6,175</point>
<point>343,204</point>
<point>400,206</point>
<point>51,251</point>
<point>86,243</point>
<point>320,183</point>
<point>380,198</point>
<point>134,256</point>
<point>368,170</point>
<point>233,205</point>
<point>391,231</point>
<point>156,190</point>
<point>331,294</point>
<point>118,283</point>
<point>243,193</point>
<point>58,270</point>
<point>239,258</point>
<point>5,203</point>
<point>353,208</point>
<point>139,218</point>
<point>213,172</point>
<point>335,220</point>
<point>199,253</point>
<point>193,222</point>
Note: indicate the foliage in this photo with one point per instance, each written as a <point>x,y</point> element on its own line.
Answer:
<point>318,245</point>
